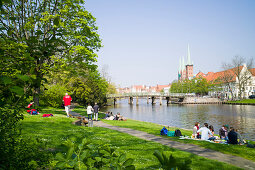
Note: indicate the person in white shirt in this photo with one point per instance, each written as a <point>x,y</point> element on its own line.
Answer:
<point>89,111</point>
<point>205,132</point>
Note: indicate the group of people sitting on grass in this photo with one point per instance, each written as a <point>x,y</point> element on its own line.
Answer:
<point>110,116</point>
<point>207,133</point>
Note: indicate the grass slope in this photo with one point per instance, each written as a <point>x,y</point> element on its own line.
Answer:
<point>250,101</point>
<point>53,131</point>
<point>152,128</point>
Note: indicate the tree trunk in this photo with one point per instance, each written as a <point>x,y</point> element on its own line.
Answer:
<point>36,96</point>
<point>37,89</point>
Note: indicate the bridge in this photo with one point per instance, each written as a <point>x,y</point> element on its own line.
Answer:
<point>149,95</point>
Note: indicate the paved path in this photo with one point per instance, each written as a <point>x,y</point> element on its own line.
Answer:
<point>207,153</point>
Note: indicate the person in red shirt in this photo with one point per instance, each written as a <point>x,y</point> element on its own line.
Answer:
<point>29,106</point>
<point>67,102</point>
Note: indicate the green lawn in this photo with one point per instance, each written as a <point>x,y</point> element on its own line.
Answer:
<point>152,128</point>
<point>53,131</point>
<point>251,101</point>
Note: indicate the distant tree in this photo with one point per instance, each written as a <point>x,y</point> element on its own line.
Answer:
<point>174,87</point>
<point>196,85</point>
<point>111,88</point>
<point>201,86</point>
<point>51,30</point>
<point>105,73</point>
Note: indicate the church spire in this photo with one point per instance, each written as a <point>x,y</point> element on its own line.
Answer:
<point>188,57</point>
<point>183,64</point>
<point>180,65</point>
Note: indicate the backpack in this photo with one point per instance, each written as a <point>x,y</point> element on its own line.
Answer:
<point>163,131</point>
<point>171,133</point>
<point>177,133</point>
<point>34,112</point>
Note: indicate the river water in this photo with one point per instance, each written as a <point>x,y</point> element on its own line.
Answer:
<point>241,117</point>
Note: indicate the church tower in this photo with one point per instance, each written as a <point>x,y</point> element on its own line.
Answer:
<point>189,67</point>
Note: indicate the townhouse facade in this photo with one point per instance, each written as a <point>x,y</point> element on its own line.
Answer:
<point>231,83</point>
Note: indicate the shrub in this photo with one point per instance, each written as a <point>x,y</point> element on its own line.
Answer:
<point>53,96</point>
<point>171,162</point>
<point>89,156</point>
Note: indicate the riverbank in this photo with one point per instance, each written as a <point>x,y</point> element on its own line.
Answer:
<point>53,131</point>
<point>242,102</point>
<point>152,128</point>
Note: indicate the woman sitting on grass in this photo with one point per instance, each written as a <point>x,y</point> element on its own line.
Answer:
<point>223,132</point>
<point>195,129</point>
<point>111,117</point>
<point>119,117</point>
<point>211,137</point>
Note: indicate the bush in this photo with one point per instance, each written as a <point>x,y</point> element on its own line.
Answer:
<point>9,117</point>
<point>53,96</point>
<point>86,155</point>
<point>171,162</point>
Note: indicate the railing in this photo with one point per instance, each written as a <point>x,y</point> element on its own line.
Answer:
<point>149,94</point>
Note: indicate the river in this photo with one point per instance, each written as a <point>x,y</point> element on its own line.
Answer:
<point>241,117</point>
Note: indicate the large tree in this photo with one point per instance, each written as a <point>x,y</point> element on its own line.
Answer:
<point>51,30</point>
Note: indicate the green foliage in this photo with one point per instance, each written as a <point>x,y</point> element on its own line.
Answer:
<point>249,101</point>
<point>196,85</point>
<point>54,32</point>
<point>15,84</point>
<point>111,88</point>
<point>90,89</point>
<point>87,156</point>
<point>171,162</point>
<point>53,96</point>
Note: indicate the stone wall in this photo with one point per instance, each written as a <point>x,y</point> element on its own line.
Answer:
<point>200,100</point>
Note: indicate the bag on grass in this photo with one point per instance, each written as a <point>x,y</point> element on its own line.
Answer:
<point>177,133</point>
<point>33,112</point>
<point>170,133</point>
<point>163,131</point>
<point>250,146</point>
<point>47,115</point>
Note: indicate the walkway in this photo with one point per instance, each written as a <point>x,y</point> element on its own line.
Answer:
<point>207,153</point>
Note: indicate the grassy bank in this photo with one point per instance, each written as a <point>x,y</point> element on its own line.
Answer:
<point>248,101</point>
<point>53,131</point>
<point>152,128</point>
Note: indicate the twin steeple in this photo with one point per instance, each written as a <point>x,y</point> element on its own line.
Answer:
<point>188,57</point>
<point>182,63</point>
<point>185,69</point>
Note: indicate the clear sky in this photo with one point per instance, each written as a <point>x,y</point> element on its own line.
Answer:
<point>144,39</point>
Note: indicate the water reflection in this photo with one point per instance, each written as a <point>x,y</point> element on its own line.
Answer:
<point>241,117</point>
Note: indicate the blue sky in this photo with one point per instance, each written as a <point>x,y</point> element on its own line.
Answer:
<point>144,39</point>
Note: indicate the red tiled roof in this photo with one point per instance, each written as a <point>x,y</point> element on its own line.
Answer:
<point>160,87</point>
<point>200,74</point>
<point>252,71</point>
<point>223,76</point>
<point>138,86</point>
